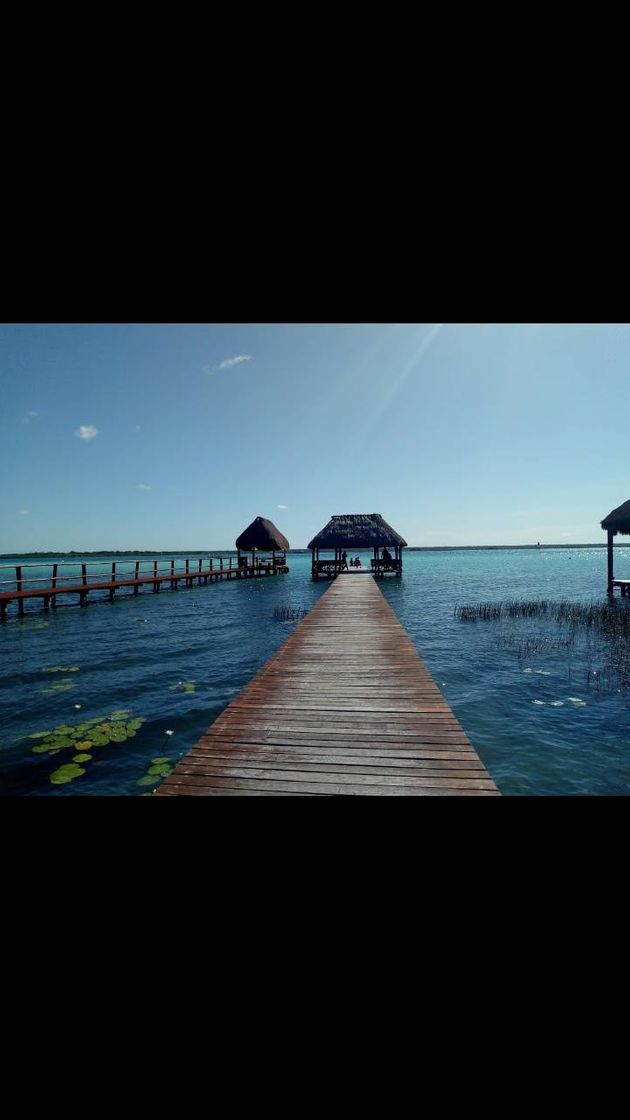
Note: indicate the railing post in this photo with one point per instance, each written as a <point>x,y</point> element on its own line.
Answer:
<point>112,590</point>
<point>53,600</point>
<point>135,589</point>
<point>155,584</point>
<point>18,587</point>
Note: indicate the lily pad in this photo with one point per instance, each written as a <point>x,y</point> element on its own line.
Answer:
<point>82,758</point>
<point>135,724</point>
<point>160,769</point>
<point>63,669</point>
<point>120,713</point>
<point>147,780</point>
<point>161,758</point>
<point>66,773</point>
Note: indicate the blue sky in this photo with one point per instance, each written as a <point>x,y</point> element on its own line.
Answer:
<point>177,435</point>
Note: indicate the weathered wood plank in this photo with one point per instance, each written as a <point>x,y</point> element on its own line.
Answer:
<point>345,706</point>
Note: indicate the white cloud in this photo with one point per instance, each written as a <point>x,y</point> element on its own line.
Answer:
<point>28,416</point>
<point>228,363</point>
<point>280,506</point>
<point>24,512</point>
<point>235,361</point>
<point>86,431</point>
<point>143,486</point>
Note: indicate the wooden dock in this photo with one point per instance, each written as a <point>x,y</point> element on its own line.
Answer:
<point>155,575</point>
<point>346,706</point>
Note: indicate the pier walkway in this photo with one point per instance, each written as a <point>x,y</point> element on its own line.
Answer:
<point>346,706</point>
<point>154,574</point>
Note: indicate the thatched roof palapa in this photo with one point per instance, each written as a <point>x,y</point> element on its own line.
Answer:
<point>356,530</point>
<point>262,534</point>
<point>618,520</point>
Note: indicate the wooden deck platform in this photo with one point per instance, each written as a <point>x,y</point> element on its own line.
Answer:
<point>346,706</point>
<point>50,588</point>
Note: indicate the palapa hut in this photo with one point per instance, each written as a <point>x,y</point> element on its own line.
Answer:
<point>262,536</point>
<point>618,521</point>
<point>357,530</point>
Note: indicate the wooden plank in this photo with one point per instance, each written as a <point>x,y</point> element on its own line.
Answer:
<point>345,707</point>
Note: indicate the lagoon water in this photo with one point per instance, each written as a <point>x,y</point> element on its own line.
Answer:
<point>163,667</point>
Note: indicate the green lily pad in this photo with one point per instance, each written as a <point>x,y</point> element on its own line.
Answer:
<point>120,713</point>
<point>160,759</point>
<point>63,729</point>
<point>82,758</point>
<point>63,669</point>
<point>135,724</point>
<point>66,773</point>
<point>99,740</point>
<point>40,735</point>
<point>160,769</point>
<point>147,780</point>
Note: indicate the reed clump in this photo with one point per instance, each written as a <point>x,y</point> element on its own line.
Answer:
<point>610,619</point>
<point>290,614</point>
<point>608,624</point>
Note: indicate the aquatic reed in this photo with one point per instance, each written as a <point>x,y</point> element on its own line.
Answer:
<point>606,626</point>
<point>290,614</point>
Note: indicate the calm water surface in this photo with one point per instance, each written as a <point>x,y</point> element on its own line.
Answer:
<point>541,723</point>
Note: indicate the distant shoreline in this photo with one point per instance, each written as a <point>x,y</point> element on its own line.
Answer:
<point>295,551</point>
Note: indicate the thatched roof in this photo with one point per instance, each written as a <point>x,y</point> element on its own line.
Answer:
<point>261,534</point>
<point>356,530</point>
<point>619,519</point>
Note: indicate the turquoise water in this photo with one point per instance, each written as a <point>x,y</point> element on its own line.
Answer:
<point>546,722</point>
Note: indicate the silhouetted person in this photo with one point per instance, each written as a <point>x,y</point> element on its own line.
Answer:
<point>344,561</point>
<point>387,559</point>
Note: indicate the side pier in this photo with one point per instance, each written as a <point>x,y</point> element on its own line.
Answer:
<point>345,706</point>
<point>155,574</point>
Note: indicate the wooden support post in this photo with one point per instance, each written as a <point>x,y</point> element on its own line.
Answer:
<point>18,587</point>
<point>156,585</point>
<point>3,611</point>
<point>610,561</point>
<point>53,600</point>
<point>135,590</point>
<point>46,602</point>
<point>199,580</point>
<point>112,590</point>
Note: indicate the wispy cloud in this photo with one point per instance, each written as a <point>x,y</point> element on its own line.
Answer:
<point>280,506</point>
<point>228,363</point>
<point>28,416</point>
<point>86,431</point>
<point>24,512</point>
<point>143,486</point>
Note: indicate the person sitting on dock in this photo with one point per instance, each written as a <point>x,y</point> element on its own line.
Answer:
<point>387,557</point>
<point>357,562</point>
